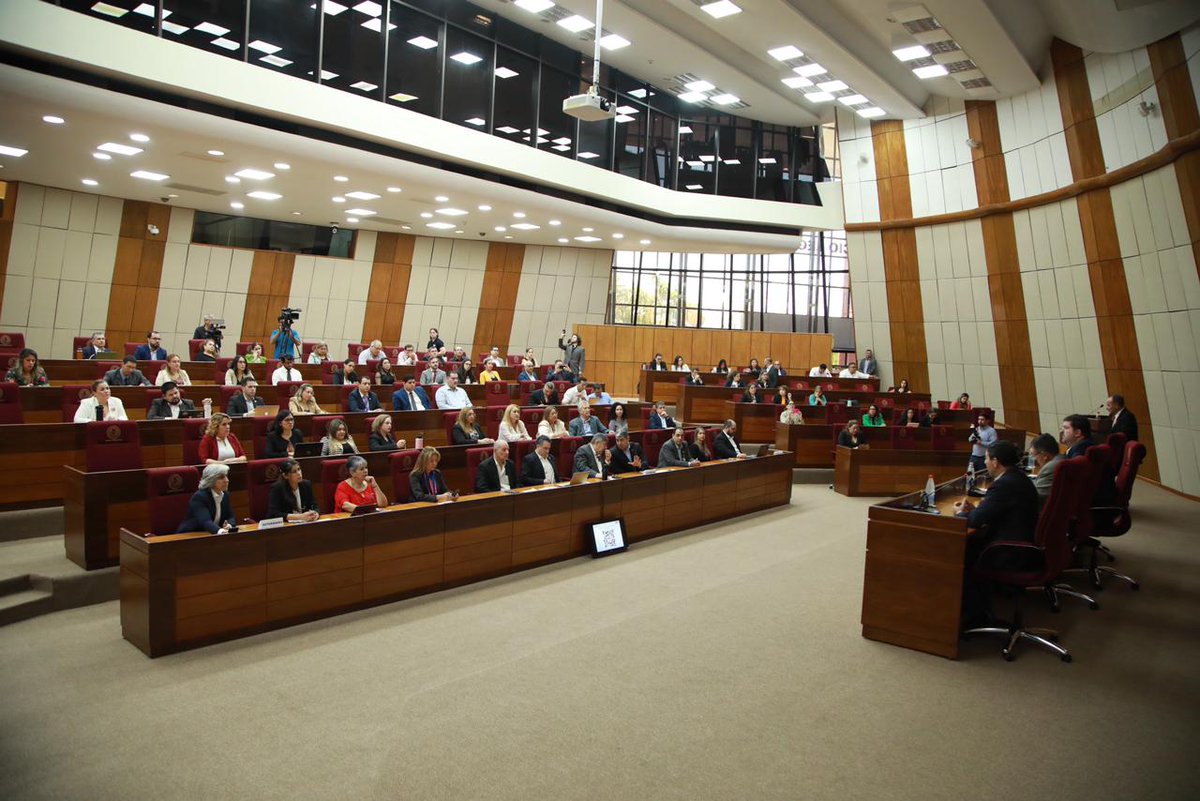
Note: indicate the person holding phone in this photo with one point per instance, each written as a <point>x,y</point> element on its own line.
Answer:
<point>425,481</point>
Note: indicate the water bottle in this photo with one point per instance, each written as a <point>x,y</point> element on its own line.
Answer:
<point>207,407</point>
<point>930,491</point>
<point>970,479</point>
<point>419,443</point>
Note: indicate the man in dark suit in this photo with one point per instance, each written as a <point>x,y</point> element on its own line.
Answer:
<point>724,445</point>
<point>546,396</point>
<point>97,344</point>
<point>1009,511</point>
<point>171,405</point>
<point>593,458</point>
<point>1123,421</point>
<point>659,417</point>
<point>127,375</point>
<point>363,399</point>
<point>411,397</point>
<point>538,467</point>
<point>1076,434</point>
<point>627,456</point>
<point>152,350</point>
<point>694,380</point>
<point>497,473</point>
<point>675,452</point>
<point>245,401</point>
<point>561,372</point>
<point>774,373</point>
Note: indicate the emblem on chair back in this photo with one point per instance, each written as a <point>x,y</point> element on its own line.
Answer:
<point>407,461</point>
<point>113,434</point>
<point>12,361</point>
<point>1,396</point>
<point>175,482</point>
<point>84,392</point>
<point>271,473</point>
<point>5,340</point>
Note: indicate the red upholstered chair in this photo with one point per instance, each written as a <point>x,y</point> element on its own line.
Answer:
<point>333,472</point>
<point>837,429</point>
<point>327,370</point>
<point>344,395</point>
<point>652,442</point>
<point>152,368</point>
<point>531,416</point>
<point>803,386</point>
<point>113,445</point>
<point>519,450</point>
<point>306,349</point>
<point>320,425</point>
<point>221,366</point>
<point>227,394</point>
<point>193,432</point>
<point>261,474</point>
<point>689,435</point>
<point>78,344</point>
<point>448,420</point>
<point>355,348</point>
<point>515,359</point>
<point>10,403</point>
<point>284,391</point>
<point>258,434</point>
<point>568,413</point>
<point>496,394</point>
<point>527,388</point>
<point>12,340</point>
<point>168,490</point>
<point>865,387</point>
<point>562,386</point>
<point>886,403</point>
<point>8,360</point>
<point>1095,464</point>
<point>491,417</point>
<point>564,449</point>
<point>194,348</point>
<point>836,413</point>
<point>1116,447</point>
<point>267,369</point>
<point>131,348</point>
<point>943,405</point>
<point>402,464</point>
<point>153,394</point>
<point>645,412</point>
<point>1115,520</point>
<point>943,438</point>
<point>72,394</point>
<point>474,457</point>
<point>904,439</point>
<point>242,348</point>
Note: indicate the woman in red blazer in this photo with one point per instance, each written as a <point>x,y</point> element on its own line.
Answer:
<point>219,445</point>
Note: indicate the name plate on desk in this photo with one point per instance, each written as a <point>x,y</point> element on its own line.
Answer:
<point>270,522</point>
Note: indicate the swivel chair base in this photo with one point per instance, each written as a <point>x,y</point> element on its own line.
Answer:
<point>1015,633</point>
<point>1054,590</point>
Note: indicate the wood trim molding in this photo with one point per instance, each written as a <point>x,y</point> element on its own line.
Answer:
<point>390,275</point>
<point>137,274</point>
<point>1177,101</point>
<point>270,287</point>
<point>498,300</point>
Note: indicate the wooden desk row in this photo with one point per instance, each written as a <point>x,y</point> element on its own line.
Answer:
<point>187,590</point>
<point>665,386</point>
<point>814,445</point>
<point>890,471</point>
<point>707,404</point>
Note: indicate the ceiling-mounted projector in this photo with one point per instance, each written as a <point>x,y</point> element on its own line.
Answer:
<point>589,107</point>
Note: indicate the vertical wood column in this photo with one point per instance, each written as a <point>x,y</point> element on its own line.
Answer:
<point>7,213</point>
<point>498,301</point>
<point>390,275</point>
<point>1106,270</point>
<point>137,274</point>
<point>1177,103</point>
<point>1014,353</point>
<point>906,316</point>
<point>269,290</point>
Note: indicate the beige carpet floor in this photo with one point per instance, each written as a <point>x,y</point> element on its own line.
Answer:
<point>722,663</point>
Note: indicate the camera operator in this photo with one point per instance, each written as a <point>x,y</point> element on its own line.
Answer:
<point>209,330</point>
<point>285,338</point>
<point>982,437</point>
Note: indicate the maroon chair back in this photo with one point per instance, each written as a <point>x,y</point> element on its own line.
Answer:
<point>13,340</point>
<point>836,413</point>
<point>10,403</point>
<point>496,394</point>
<point>154,394</point>
<point>344,395</point>
<point>519,450</point>
<point>193,432</point>
<point>1095,463</point>
<point>492,416</point>
<point>562,386</point>
<point>113,445</point>
<point>515,359</point>
<point>261,474</point>
<point>646,411</point>
<point>402,464</point>
<point>904,438</point>
<point>131,348</point>
<point>327,370</point>
<point>526,388</point>
<point>564,449</point>
<point>78,344</point>
<point>194,348</point>
<point>474,457</point>
<point>885,403</point>
<point>258,434</point>
<point>227,394</point>
<point>355,348</point>
<point>242,348</point>
<point>306,350</point>
<point>837,429</point>
<point>320,424</point>
<point>448,420</point>
<point>801,385</point>
<point>943,438</point>
<point>943,405</point>
<point>1116,447</point>
<point>221,366</point>
<point>333,472</point>
<point>531,416</point>
<point>570,413</point>
<point>284,391</point>
<point>865,387</point>
<point>652,442</point>
<point>168,490</point>
<point>1135,453</point>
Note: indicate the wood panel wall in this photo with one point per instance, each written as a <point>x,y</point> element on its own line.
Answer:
<point>390,275</point>
<point>498,300</point>
<point>616,353</point>
<point>269,290</point>
<point>137,274</point>
<point>1177,101</point>
<point>8,210</point>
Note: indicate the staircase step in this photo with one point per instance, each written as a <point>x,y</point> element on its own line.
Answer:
<point>23,605</point>
<point>12,584</point>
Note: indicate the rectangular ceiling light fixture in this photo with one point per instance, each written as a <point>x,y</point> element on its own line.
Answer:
<point>534,6</point>
<point>576,23</point>
<point>785,53</point>
<point>721,8</point>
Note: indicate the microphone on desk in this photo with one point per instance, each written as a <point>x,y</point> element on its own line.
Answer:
<point>99,413</point>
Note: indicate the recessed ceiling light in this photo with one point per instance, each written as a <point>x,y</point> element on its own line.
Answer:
<point>520,215</point>
<point>102,156</point>
<point>809,70</point>
<point>818,97</point>
<point>406,227</point>
<point>767,160</point>
<point>485,208</point>
<point>466,58</point>
<point>614,41</point>
<point>90,182</point>
<point>401,97</point>
<point>296,213</point>
<point>442,199</point>
<point>852,100</point>
<point>932,71</point>
<point>174,27</point>
<point>236,205</point>
<point>351,219</point>
<point>699,86</point>
<point>369,8</point>
<point>832,86</point>
<point>556,223</point>
<point>229,179</point>
<point>563,240</point>
<point>364,86</point>
<point>338,199</point>
<point>452,212</point>
<point>685,129</point>
<point>331,8</point>
<point>225,44</point>
<point>423,42</point>
<point>254,175</point>
<point>110,10</point>
<point>576,23</point>
<point>697,164</point>
<point>501,229</point>
<point>587,239</point>
<point>534,6</point>
<point>731,162</point>
<point>707,159</point>
<point>505,72</point>
<point>721,8</point>
<point>694,187</point>
<point>725,99</point>
<point>139,137</point>
<point>341,179</point>
<point>618,236</point>
<point>645,241</point>
<point>50,118</point>
<point>264,195</point>
<point>525,226</point>
<point>693,97</point>
<point>619,118</point>
<point>282,165</point>
<point>588,230</point>
<point>394,189</point>
<point>359,195</point>
<point>146,175</point>
<point>785,53</point>
<point>873,111</point>
<point>211,29</point>
<point>428,215</point>
<point>459,231</point>
<point>264,47</point>
<point>911,53</point>
<point>361,212</point>
<point>442,226</point>
<point>476,121</point>
<point>119,149</point>
<point>508,236</point>
<point>796,82</point>
<point>216,152</point>
<point>508,129</point>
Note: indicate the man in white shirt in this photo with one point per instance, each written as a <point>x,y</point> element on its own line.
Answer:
<point>407,357</point>
<point>852,371</point>
<point>821,371</point>
<point>374,352</point>
<point>452,396</point>
<point>285,371</point>
<point>576,393</point>
<point>433,374</point>
<point>494,357</point>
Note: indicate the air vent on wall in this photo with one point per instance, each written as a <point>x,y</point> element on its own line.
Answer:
<point>197,189</point>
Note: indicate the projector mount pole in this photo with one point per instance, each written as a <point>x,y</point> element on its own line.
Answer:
<point>594,90</point>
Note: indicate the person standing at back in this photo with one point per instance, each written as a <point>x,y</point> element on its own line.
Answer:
<point>573,351</point>
<point>1123,421</point>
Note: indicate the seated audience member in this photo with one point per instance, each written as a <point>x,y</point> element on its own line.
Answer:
<point>529,357</point>
<point>127,375</point>
<point>546,396</point>
<point>27,372</point>
<point>239,368</point>
<point>850,436</point>
<point>931,418</point>
<point>363,399</point>
<point>774,374</point>
<point>220,445</point>
<point>433,374</point>
<point>722,368</point>
<point>256,355</point>
<point>337,440</point>
<point>1076,434</point>
<point>753,370</point>
<point>619,423</point>
<point>903,388</point>
<point>561,372</point>
<point>700,450</point>
<point>173,371</point>
<point>678,365</point>
<point>675,452</point>
<point>528,371</point>
<point>459,354</point>
<point>435,343</point>
<point>466,430</point>
<point>598,396</point>
<point>319,354</point>
<point>981,439</point>
<point>852,371</point>
<point>305,401</point>
<point>381,435</point>
<point>245,402</point>
<point>384,375</point>
<point>911,418</point>
<point>792,415</point>
<point>372,353</point>
<point>97,344</point>
<point>1046,458</point>
<point>211,507</point>
<point>152,350</point>
<point>493,359</point>
<point>1123,421</point>
<point>694,380</point>
<point>359,488</point>
<point>751,393</point>
<point>497,473</point>
<point>101,405</point>
<point>735,381</point>
<point>577,393</point>
<point>451,395</point>
<point>724,445</point>
<point>586,423</point>
<point>208,330</point>
<point>963,402</point>
<point>345,373</point>
<point>410,397</point>
<point>593,458</point>
<point>291,497</point>
<point>1009,511</point>
<point>817,398</point>
<point>282,436</point>
<point>550,426</point>
<point>659,417</point>
<point>627,456</point>
<point>425,481</point>
<point>208,352</point>
<point>407,357</point>
<point>286,371</point>
<point>489,373</point>
<point>873,419</point>
<point>820,371</point>
<point>512,427</point>
<point>171,404</point>
<point>466,373</point>
<point>781,397</point>
<point>432,354</point>
<point>659,363</point>
<point>538,467</point>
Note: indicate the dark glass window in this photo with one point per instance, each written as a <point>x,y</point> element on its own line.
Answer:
<point>283,35</point>
<point>516,94</point>
<point>774,163</point>
<point>144,19</point>
<point>217,26</point>
<point>353,49</point>
<point>414,61</point>
<point>697,157</point>
<point>736,163</point>
<point>246,232</point>
<point>631,122</point>
<point>553,125</point>
<point>664,136</point>
<point>469,74</point>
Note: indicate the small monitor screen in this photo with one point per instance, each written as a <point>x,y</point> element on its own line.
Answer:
<point>608,537</point>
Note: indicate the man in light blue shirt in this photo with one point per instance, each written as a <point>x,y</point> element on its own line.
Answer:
<point>286,341</point>
<point>451,395</point>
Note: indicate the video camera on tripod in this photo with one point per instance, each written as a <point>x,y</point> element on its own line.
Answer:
<point>287,317</point>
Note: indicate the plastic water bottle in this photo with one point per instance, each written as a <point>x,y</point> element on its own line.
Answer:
<point>930,491</point>
<point>207,407</point>
<point>419,444</point>
<point>970,479</point>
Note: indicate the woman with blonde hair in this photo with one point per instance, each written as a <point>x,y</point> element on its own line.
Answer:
<point>220,445</point>
<point>425,481</point>
<point>173,371</point>
<point>512,427</point>
<point>381,435</point>
<point>466,431</point>
<point>337,441</point>
<point>551,426</point>
<point>319,353</point>
<point>305,401</point>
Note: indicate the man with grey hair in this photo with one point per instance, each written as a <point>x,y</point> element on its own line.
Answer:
<point>372,353</point>
<point>586,424</point>
<point>210,508</point>
<point>593,459</point>
<point>497,473</point>
<point>538,467</point>
<point>96,344</point>
<point>724,445</point>
<point>208,330</point>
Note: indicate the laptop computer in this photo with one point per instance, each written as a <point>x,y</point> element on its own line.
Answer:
<point>186,413</point>
<point>763,450</point>
<point>579,478</point>
<point>266,411</point>
<point>365,509</point>
<point>307,449</point>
